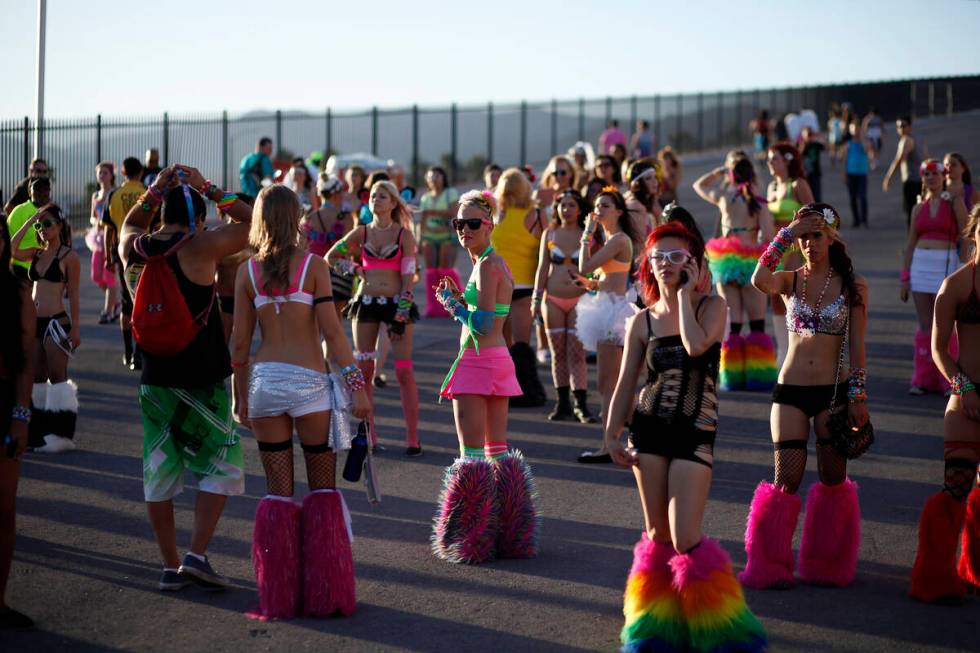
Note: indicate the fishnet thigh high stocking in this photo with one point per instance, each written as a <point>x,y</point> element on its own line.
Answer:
<point>277,461</point>
<point>559,357</point>
<point>790,459</point>
<point>831,465</point>
<point>576,361</point>
<point>321,466</point>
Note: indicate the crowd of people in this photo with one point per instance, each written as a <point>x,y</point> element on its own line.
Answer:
<point>594,258</point>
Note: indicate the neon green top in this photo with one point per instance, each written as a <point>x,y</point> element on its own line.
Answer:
<point>21,214</point>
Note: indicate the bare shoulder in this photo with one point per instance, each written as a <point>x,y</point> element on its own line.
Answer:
<point>958,285</point>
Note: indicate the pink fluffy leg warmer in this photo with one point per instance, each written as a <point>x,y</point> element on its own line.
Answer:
<point>276,558</point>
<point>831,534</point>
<point>465,526</point>
<point>328,562</point>
<point>769,538</point>
<point>516,496</point>
<point>409,392</point>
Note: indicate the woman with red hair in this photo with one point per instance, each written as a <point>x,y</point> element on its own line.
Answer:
<point>681,593</point>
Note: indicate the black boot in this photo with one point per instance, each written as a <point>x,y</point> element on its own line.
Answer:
<point>525,367</point>
<point>581,410</point>
<point>563,409</point>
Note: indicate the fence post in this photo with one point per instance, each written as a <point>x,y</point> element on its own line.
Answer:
<point>949,99</point>
<point>738,115</point>
<point>329,129</point>
<point>374,130</point>
<point>452,143</point>
<point>700,121</point>
<point>912,100</point>
<point>932,99</point>
<point>278,133</point>
<point>490,132</point>
<point>581,118</point>
<point>719,119</point>
<point>554,126</point>
<point>632,114</point>
<point>656,119</point>
<point>27,142</point>
<point>523,133</point>
<point>224,149</point>
<point>166,139</point>
<point>679,120</point>
<point>608,109</point>
<point>98,138</point>
<point>415,145</point>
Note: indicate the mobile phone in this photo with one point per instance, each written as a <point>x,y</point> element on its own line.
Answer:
<point>683,277</point>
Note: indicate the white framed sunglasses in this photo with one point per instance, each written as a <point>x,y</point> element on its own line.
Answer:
<point>675,256</point>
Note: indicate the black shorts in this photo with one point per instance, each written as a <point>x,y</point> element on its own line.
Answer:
<point>378,309</point>
<point>125,298</point>
<point>652,436</point>
<point>342,286</point>
<point>811,399</point>
<point>521,293</point>
<point>42,324</point>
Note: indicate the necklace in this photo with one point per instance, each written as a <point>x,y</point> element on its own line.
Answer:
<point>808,316</point>
<point>391,224</point>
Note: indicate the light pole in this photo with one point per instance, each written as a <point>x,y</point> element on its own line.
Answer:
<point>42,10</point>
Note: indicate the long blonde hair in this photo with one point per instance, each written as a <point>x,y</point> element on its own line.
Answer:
<point>400,213</point>
<point>513,190</point>
<point>274,234</point>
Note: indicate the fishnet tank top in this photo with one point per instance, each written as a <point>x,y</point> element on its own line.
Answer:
<point>680,389</point>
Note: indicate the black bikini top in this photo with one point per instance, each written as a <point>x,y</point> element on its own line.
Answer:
<point>969,313</point>
<point>54,274</point>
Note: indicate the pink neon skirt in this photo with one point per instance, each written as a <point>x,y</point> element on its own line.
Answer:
<point>491,373</point>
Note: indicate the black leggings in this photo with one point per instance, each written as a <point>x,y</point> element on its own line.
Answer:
<point>857,189</point>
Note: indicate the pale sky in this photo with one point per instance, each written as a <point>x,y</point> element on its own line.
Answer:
<point>147,57</point>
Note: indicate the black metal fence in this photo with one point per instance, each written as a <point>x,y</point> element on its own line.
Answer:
<point>461,138</point>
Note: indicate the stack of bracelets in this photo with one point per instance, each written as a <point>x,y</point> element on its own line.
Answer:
<point>404,306</point>
<point>20,413</point>
<point>773,255</point>
<point>538,297</point>
<point>353,378</point>
<point>346,267</point>
<point>856,381</point>
<point>961,383</point>
<point>452,305</point>
<point>151,199</point>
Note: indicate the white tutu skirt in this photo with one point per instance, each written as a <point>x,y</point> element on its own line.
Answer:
<point>602,318</point>
<point>929,268</point>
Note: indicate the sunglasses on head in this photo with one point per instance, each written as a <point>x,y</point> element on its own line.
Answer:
<point>45,224</point>
<point>675,256</point>
<point>473,224</point>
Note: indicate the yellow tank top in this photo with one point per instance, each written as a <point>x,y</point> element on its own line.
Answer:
<point>784,209</point>
<point>517,246</point>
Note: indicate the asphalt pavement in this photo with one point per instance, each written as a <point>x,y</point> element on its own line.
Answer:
<point>86,565</point>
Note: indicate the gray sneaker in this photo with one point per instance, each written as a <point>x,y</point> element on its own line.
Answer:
<point>172,580</point>
<point>201,573</point>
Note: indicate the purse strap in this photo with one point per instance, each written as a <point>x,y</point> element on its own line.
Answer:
<point>840,359</point>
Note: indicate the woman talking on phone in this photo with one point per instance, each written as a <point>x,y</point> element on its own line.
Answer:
<point>682,593</point>
<point>487,506</point>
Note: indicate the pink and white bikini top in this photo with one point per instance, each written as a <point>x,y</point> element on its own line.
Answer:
<point>388,258</point>
<point>295,293</point>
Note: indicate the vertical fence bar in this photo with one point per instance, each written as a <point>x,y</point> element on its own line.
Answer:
<point>329,128</point>
<point>949,98</point>
<point>678,120</point>
<point>490,132</point>
<point>554,126</point>
<point>166,139</point>
<point>224,149</point>
<point>608,109</point>
<point>912,100</point>
<point>523,133</point>
<point>27,143</point>
<point>738,115</point>
<point>374,130</point>
<point>278,147</point>
<point>632,112</point>
<point>932,99</point>
<point>453,142</point>
<point>656,120</point>
<point>415,145</point>
<point>581,118</point>
<point>98,138</point>
<point>700,121</point>
<point>719,116</point>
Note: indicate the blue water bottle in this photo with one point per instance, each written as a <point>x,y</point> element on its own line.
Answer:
<point>357,454</point>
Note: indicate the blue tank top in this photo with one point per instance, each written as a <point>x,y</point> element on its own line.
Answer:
<point>857,158</point>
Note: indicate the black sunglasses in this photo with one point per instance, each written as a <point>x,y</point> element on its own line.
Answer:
<point>473,224</point>
<point>560,173</point>
<point>45,224</point>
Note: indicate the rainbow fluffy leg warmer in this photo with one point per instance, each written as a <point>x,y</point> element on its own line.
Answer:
<point>831,534</point>
<point>934,574</point>
<point>651,606</point>
<point>969,566</point>
<point>465,527</point>
<point>769,538</point>
<point>328,561</point>
<point>518,515</point>
<point>731,375</point>
<point>432,307</point>
<point>760,362</point>
<point>712,602</point>
<point>276,552</point>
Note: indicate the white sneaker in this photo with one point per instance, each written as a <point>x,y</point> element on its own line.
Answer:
<point>56,444</point>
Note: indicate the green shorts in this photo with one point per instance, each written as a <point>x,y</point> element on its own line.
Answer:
<point>189,429</point>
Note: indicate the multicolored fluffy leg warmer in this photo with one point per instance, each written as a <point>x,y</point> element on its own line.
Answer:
<point>731,375</point>
<point>769,538</point>
<point>712,602</point>
<point>934,574</point>
<point>465,527</point>
<point>831,534</point>
<point>969,566</point>
<point>276,557</point>
<point>760,362</point>
<point>328,561</point>
<point>518,515</point>
<point>651,605</point>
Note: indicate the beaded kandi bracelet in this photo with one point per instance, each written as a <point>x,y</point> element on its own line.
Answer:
<point>856,385</point>
<point>353,378</point>
<point>771,258</point>
<point>20,413</point>
<point>961,383</point>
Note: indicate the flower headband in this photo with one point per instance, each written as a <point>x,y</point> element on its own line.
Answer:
<point>931,165</point>
<point>828,214</point>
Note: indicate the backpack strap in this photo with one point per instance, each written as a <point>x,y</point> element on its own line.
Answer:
<point>140,246</point>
